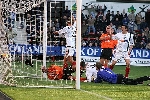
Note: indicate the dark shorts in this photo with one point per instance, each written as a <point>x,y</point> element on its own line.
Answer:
<point>120,78</point>
<point>67,72</point>
<point>106,53</point>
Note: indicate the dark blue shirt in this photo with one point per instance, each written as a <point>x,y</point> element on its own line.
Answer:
<point>107,75</point>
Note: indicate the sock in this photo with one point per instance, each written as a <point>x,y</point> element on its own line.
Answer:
<point>73,63</point>
<point>65,65</point>
<point>127,70</point>
<point>111,67</point>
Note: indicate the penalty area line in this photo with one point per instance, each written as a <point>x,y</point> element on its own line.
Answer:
<point>97,95</point>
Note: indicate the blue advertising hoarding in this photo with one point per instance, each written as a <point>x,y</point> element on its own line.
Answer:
<point>60,50</point>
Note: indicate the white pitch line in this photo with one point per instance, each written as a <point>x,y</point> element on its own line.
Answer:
<point>97,95</point>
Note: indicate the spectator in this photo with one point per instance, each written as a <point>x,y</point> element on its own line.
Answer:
<point>131,26</point>
<point>139,45</point>
<point>125,21</point>
<point>88,41</point>
<point>138,19</point>
<point>143,24</point>
<point>131,16</point>
<point>63,21</point>
<point>67,12</point>
<point>112,17</point>
<point>96,44</point>
<point>117,22</point>
<point>108,16</point>
<point>84,28</point>
<point>119,29</point>
<point>143,38</point>
<point>82,17</point>
<point>57,25</point>
<point>147,33</point>
<point>83,44</point>
<point>90,44</point>
<point>123,14</point>
<point>118,16</point>
<point>148,46</point>
<point>97,40</point>
<point>91,22</point>
<point>100,9</point>
<point>99,16</point>
<point>103,24</point>
<point>92,11</point>
<point>113,26</point>
<point>62,43</point>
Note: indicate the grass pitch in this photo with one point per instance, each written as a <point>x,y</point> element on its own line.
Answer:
<point>89,91</point>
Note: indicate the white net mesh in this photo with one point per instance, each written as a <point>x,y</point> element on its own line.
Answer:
<point>23,23</point>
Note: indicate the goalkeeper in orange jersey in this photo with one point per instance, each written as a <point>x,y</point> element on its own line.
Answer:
<point>55,72</point>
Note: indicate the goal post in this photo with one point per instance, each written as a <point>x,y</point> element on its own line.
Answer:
<point>45,35</point>
<point>78,43</point>
<point>26,66</point>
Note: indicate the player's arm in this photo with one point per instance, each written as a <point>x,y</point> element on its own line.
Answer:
<point>130,48</point>
<point>61,31</point>
<point>98,79</point>
<point>57,32</point>
<point>103,37</point>
<point>73,19</point>
<point>131,43</point>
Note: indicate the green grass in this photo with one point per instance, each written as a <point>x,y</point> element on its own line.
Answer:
<point>96,91</point>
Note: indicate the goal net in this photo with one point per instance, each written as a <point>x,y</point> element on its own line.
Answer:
<point>35,56</point>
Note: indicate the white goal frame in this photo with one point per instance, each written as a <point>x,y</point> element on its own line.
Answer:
<point>78,38</point>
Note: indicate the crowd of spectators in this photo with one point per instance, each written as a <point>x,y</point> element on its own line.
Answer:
<point>93,25</point>
<point>99,17</point>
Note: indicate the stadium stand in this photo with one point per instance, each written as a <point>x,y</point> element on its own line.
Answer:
<point>29,23</point>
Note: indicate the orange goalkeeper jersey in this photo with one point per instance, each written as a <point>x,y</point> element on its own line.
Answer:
<point>55,72</point>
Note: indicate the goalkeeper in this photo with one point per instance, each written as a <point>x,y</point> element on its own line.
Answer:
<point>107,75</point>
<point>55,72</point>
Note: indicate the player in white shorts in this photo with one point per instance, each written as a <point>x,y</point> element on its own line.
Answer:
<point>123,48</point>
<point>91,72</point>
<point>69,33</point>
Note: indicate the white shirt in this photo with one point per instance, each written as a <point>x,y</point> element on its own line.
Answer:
<point>128,41</point>
<point>70,34</point>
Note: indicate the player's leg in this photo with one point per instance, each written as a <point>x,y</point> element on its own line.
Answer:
<point>122,80</point>
<point>106,61</point>
<point>94,74</point>
<point>140,80</point>
<point>102,57</point>
<point>117,55</point>
<point>70,55</point>
<point>68,58</point>
<point>111,66</point>
<point>106,56</point>
<point>136,81</point>
<point>127,60</point>
<point>88,75</point>
<point>102,60</point>
<point>65,64</point>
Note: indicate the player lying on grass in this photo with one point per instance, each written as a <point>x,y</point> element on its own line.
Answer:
<point>107,75</point>
<point>55,72</point>
<point>91,72</point>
